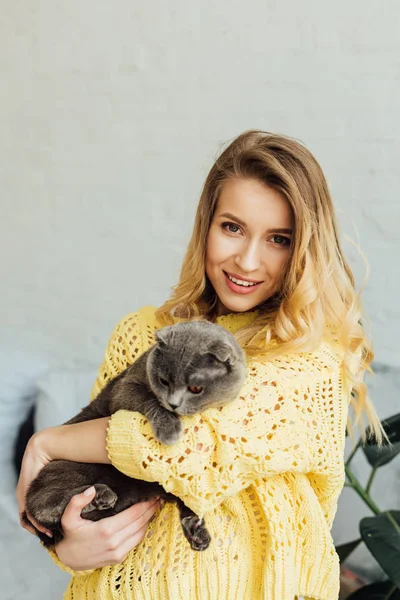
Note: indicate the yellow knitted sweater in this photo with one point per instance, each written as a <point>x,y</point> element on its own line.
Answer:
<point>265,470</point>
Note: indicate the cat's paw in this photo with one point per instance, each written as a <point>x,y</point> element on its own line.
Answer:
<point>168,429</point>
<point>196,533</point>
<point>104,498</point>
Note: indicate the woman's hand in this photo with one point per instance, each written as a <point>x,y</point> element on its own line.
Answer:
<point>92,545</point>
<point>35,458</point>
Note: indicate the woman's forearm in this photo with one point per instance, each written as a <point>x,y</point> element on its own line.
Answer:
<point>81,442</point>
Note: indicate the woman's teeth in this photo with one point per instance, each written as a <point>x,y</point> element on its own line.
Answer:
<point>241,282</point>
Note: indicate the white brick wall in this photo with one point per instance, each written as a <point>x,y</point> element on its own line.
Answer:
<point>112,113</point>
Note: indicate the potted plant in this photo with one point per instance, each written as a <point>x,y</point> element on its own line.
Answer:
<point>381,531</point>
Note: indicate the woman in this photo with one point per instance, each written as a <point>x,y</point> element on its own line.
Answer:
<point>265,262</point>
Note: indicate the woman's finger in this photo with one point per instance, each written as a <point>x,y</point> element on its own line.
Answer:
<point>71,519</point>
<point>38,526</point>
<point>29,523</point>
<point>121,551</point>
<point>133,528</point>
<point>26,525</point>
<point>137,515</point>
<point>33,461</point>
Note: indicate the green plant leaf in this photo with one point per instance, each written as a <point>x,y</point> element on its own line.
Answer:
<point>381,534</point>
<point>344,550</point>
<point>381,456</point>
<point>376,591</point>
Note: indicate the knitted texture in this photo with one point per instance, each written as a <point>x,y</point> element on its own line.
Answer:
<point>265,471</point>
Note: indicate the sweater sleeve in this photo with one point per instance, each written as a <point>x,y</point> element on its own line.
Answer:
<point>289,417</point>
<point>130,338</point>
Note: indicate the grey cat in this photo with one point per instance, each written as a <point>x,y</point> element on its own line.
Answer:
<point>193,366</point>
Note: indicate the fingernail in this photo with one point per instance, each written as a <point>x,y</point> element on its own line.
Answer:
<point>89,491</point>
<point>50,535</point>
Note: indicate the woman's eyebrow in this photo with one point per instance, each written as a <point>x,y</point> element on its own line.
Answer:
<point>243,224</point>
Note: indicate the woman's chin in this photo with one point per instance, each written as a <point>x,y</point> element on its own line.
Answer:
<point>242,304</point>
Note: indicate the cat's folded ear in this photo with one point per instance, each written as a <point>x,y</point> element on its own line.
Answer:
<point>222,352</point>
<point>162,335</point>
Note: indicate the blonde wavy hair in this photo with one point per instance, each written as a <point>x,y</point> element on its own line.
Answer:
<point>317,294</point>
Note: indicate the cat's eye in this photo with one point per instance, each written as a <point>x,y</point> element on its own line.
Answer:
<point>195,389</point>
<point>163,382</point>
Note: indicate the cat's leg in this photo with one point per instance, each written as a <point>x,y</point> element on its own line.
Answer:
<point>50,517</point>
<point>134,393</point>
<point>193,527</point>
<point>165,424</point>
<point>51,513</point>
<point>55,485</point>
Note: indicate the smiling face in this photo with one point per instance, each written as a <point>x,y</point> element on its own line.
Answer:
<point>248,244</point>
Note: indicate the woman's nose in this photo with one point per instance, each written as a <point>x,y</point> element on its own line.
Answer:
<point>249,259</point>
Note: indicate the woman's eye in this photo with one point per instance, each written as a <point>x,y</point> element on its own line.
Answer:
<point>164,382</point>
<point>195,389</point>
<point>231,227</point>
<point>281,240</point>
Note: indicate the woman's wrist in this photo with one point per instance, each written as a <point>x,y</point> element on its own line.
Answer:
<point>80,442</point>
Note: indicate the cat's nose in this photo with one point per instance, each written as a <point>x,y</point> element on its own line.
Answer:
<point>175,400</point>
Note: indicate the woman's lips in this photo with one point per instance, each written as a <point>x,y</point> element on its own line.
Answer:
<point>240,289</point>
